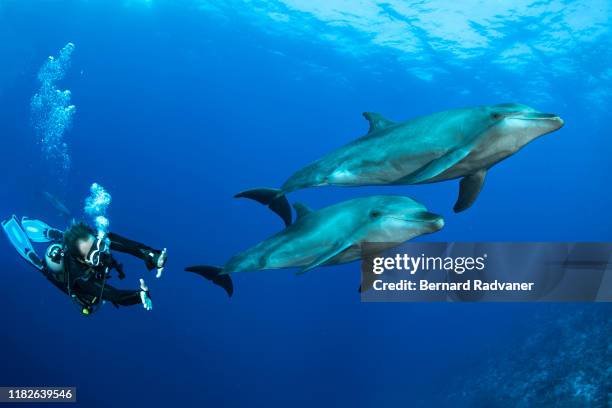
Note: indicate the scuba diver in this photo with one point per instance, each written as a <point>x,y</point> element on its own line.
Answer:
<point>79,263</point>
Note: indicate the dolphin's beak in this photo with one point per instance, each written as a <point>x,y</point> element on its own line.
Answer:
<point>551,118</point>
<point>434,220</point>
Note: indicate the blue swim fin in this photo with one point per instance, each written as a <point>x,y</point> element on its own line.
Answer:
<point>20,241</point>
<point>39,231</point>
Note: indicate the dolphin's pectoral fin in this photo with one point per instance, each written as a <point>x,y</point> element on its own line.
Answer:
<point>436,167</point>
<point>368,253</point>
<point>214,274</point>
<point>326,256</point>
<point>377,121</point>
<point>273,198</point>
<point>469,188</point>
<point>301,210</point>
<point>367,278</point>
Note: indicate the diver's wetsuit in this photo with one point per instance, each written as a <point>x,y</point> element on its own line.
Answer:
<point>89,284</point>
<point>134,248</point>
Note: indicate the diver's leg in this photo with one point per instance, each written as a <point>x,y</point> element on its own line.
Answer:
<point>154,258</point>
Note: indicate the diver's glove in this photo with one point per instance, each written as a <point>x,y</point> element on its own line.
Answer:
<point>155,260</point>
<point>161,262</point>
<point>144,296</point>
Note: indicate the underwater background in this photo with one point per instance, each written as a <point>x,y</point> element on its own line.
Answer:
<point>181,104</point>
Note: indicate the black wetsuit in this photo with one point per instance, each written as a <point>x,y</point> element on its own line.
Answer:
<point>89,284</point>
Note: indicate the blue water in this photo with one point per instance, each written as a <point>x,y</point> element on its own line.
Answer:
<point>179,105</point>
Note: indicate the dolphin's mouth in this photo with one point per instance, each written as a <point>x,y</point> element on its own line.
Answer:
<point>424,217</point>
<point>552,120</point>
<point>537,116</point>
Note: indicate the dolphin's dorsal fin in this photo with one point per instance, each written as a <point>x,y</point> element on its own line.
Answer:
<point>377,121</point>
<point>301,210</point>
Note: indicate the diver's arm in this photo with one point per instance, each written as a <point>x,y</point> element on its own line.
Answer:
<point>153,258</point>
<point>95,288</point>
<point>122,297</point>
<point>128,297</point>
<point>122,244</point>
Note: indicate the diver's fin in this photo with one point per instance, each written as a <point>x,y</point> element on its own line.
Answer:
<point>20,241</point>
<point>325,257</point>
<point>469,188</point>
<point>273,198</point>
<point>39,231</point>
<point>301,210</point>
<point>377,121</point>
<point>437,166</point>
<point>214,274</point>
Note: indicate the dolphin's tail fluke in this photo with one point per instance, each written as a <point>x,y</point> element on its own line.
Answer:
<point>273,198</point>
<point>214,274</point>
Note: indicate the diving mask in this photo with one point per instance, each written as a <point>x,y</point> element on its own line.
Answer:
<point>98,252</point>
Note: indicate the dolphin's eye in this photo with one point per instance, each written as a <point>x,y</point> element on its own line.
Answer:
<point>375,214</point>
<point>497,116</point>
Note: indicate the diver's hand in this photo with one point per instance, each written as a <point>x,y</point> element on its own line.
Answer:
<point>144,296</point>
<point>161,262</point>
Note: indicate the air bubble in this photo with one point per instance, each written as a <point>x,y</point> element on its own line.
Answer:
<point>96,205</point>
<point>52,112</point>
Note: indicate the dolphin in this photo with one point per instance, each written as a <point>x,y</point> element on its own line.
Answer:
<point>57,204</point>
<point>455,144</point>
<point>330,236</point>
